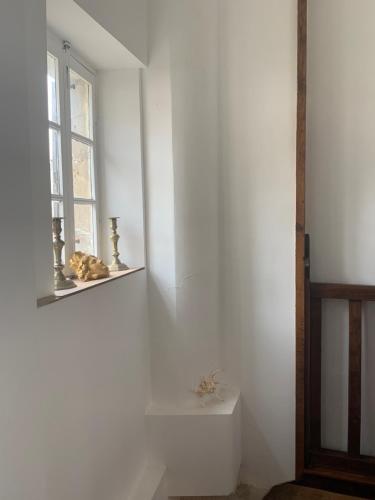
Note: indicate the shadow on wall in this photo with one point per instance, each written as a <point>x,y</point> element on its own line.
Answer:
<point>254,438</point>
<point>165,346</point>
<point>257,203</point>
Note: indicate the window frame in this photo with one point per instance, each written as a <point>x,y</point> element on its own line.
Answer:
<point>68,60</point>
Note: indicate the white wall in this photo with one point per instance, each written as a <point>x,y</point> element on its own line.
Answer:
<point>120,163</point>
<point>88,38</point>
<point>73,375</point>
<point>257,215</point>
<point>38,150</point>
<point>340,190</point>
<point>126,20</point>
<point>341,146</point>
<point>181,117</point>
<point>194,86</point>
<point>159,189</point>
<point>220,183</point>
<point>220,211</point>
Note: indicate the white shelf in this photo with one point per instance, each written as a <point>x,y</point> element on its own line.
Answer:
<point>213,407</point>
<point>200,446</point>
<point>83,286</point>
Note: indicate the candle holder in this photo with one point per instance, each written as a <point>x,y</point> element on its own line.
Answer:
<point>116,265</point>
<point>61,282</point>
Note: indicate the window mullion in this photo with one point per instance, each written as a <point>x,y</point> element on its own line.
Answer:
<point>83,139</point>
<point>66,147</point>
<point>85,201</point>
<point>54,126</point>
<point>95,177</point>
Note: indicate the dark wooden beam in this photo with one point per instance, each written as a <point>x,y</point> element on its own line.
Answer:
<point>307,348</point>
<point>354,485</point>
<point>343,292</point>
<point>315,415</point>
<point>340,461</point>
<point>300,236</point>
<point>355,347</point>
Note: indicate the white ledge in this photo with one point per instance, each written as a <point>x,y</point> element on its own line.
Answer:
<point>200,446</point>
<point>213,407</point>
<point>83,286</point>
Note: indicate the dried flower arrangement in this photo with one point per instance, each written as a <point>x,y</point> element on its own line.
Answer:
<point>208,388</point>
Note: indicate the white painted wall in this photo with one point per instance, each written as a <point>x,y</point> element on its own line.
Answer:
<point>160,228</point>
<point>220,212</point>
<point>126,20</point>
<point>340,189</point>
<point>73,375</point>
<point>120,163</point>
<point>220,183</point>
<point>257,215</point>
<point>181,119</point>
<point>93,43</point>
<point>341,146</point>
<point>38,148</point>
<point>194,88</point>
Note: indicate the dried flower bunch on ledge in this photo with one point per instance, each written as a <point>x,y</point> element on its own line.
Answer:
<point>209,387</point>
<point>88,267</point>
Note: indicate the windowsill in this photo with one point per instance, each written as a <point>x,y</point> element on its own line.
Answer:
<point>83,286</point>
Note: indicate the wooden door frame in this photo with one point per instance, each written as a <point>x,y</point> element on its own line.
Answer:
<point>300,237</point>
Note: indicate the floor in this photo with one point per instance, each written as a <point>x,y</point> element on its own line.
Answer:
<point>283,492</point>
<point>294,492</point>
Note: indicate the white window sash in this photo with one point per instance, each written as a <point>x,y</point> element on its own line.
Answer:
<point>68,60</point>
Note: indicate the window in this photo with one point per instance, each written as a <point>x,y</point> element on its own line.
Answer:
<point>72,147</point>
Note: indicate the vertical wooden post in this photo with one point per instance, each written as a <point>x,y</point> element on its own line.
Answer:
<point>300,238</point>
<point>355,346</point>
<point>307,333</point>
<point>315,416</point>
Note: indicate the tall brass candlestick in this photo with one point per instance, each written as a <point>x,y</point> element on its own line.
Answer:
<point>116,265</point>
<point>61,282</point>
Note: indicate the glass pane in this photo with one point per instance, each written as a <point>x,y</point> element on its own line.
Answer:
<point>52,86</point>
<point>58,211</point>
<point>80,104</point>
<point>84,228</point>
<point>82,168</point>
<point>57,208</point>
<point>55,162</point>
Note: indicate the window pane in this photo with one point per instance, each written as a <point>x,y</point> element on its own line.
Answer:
<point>80,104</point>
<point>52,86</point>
<point>84,228</point>
<point>58,211</point>
<point>82,169</point>
<point>55,161</point>
<point>57,208</point>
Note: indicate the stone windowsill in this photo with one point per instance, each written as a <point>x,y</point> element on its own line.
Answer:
<point>83,286</point>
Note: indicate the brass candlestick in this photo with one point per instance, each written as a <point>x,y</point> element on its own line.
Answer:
<point>61,282</point>
<point>116,265</point>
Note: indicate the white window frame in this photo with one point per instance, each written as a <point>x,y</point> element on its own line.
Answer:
<point>68,59</point>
